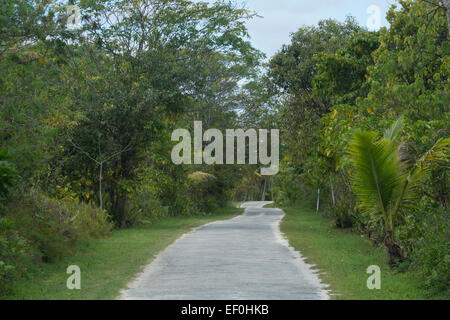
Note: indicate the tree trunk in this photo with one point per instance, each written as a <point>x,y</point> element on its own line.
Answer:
<point>393,250</point>
<point>263,197</point>
<point>271,189</point>
<point>318,200</point>
<point>100,186</point>
<point>332,193</point>
<point>118,206</point>
<point>120,211</point>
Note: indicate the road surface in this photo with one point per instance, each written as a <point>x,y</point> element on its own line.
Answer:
<point>245,258</point>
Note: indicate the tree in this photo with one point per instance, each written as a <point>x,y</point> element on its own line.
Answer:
<point>342,76</point>
<point>410,79</point>
<point>384,184</point>
<point>445,4</point>
<point>24,22</point>
<point>291,73</point>
<point>132,75</point>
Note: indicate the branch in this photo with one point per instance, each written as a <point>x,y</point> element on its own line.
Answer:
<point>86,153</point>
<point>435,4</point>
<point>127,148</point>
<point>100,162</point>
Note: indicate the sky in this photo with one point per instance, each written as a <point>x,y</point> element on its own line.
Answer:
<point>282,17</point>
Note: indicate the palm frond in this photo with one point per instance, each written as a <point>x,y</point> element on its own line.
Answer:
<point>377,174</point>
<point>412,186</point>
<point>393,133</point>
<point>434,156</point>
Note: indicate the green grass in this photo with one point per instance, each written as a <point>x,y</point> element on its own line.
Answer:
<point>343,258</point>
<point>108,264</point>
<point>270,205</point>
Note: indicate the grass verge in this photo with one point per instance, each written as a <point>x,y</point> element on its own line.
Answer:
<point>236,204</point>
<point>108,264</point>
<point>344,257</point>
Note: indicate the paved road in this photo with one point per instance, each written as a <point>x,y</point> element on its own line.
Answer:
<point>243,258</point>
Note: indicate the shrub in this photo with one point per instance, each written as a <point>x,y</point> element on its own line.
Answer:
<point>288,188</point>
<point>342,216</point>
<point>54,226</point>
<point>182,206</point>
<point>425,236</point>
<point>89,221</point>
<point>203,191</point>
<point>15,255</point>
<point>144,207</point>
<point>34,228</point>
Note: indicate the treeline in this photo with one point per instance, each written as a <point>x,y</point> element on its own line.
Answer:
<point>87,114</point>
<point>364,119</point>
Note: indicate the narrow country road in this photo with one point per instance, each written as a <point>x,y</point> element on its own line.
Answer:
<point>245,258</point>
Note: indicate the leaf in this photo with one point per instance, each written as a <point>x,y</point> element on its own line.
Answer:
<point>376,173</point>
<point>435,155</point>
<point>393,133</point>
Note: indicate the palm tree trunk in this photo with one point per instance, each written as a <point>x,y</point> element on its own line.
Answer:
<point>393,251</point>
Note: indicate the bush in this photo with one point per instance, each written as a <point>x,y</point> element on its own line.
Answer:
<point>89,221</point>
<point>425,236</point>
<point>35,228</point>
<point>288,188</point>
<point>203,191</point>
<point>182,206</point>
<point>342,216</point>
<point>54,226</point>
<point>434,260</point>
<point>144,207</point>
<point>15,254</point>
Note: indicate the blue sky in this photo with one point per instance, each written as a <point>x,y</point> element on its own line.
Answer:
<point>282,17</point>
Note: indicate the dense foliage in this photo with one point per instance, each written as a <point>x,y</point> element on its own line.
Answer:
<point>335,89</point>
<point>87,111</point>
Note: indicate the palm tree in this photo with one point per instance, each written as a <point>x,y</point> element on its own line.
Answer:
<point>384,183</point>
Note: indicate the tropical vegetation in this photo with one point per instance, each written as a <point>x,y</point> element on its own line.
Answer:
<point>87,110</point>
